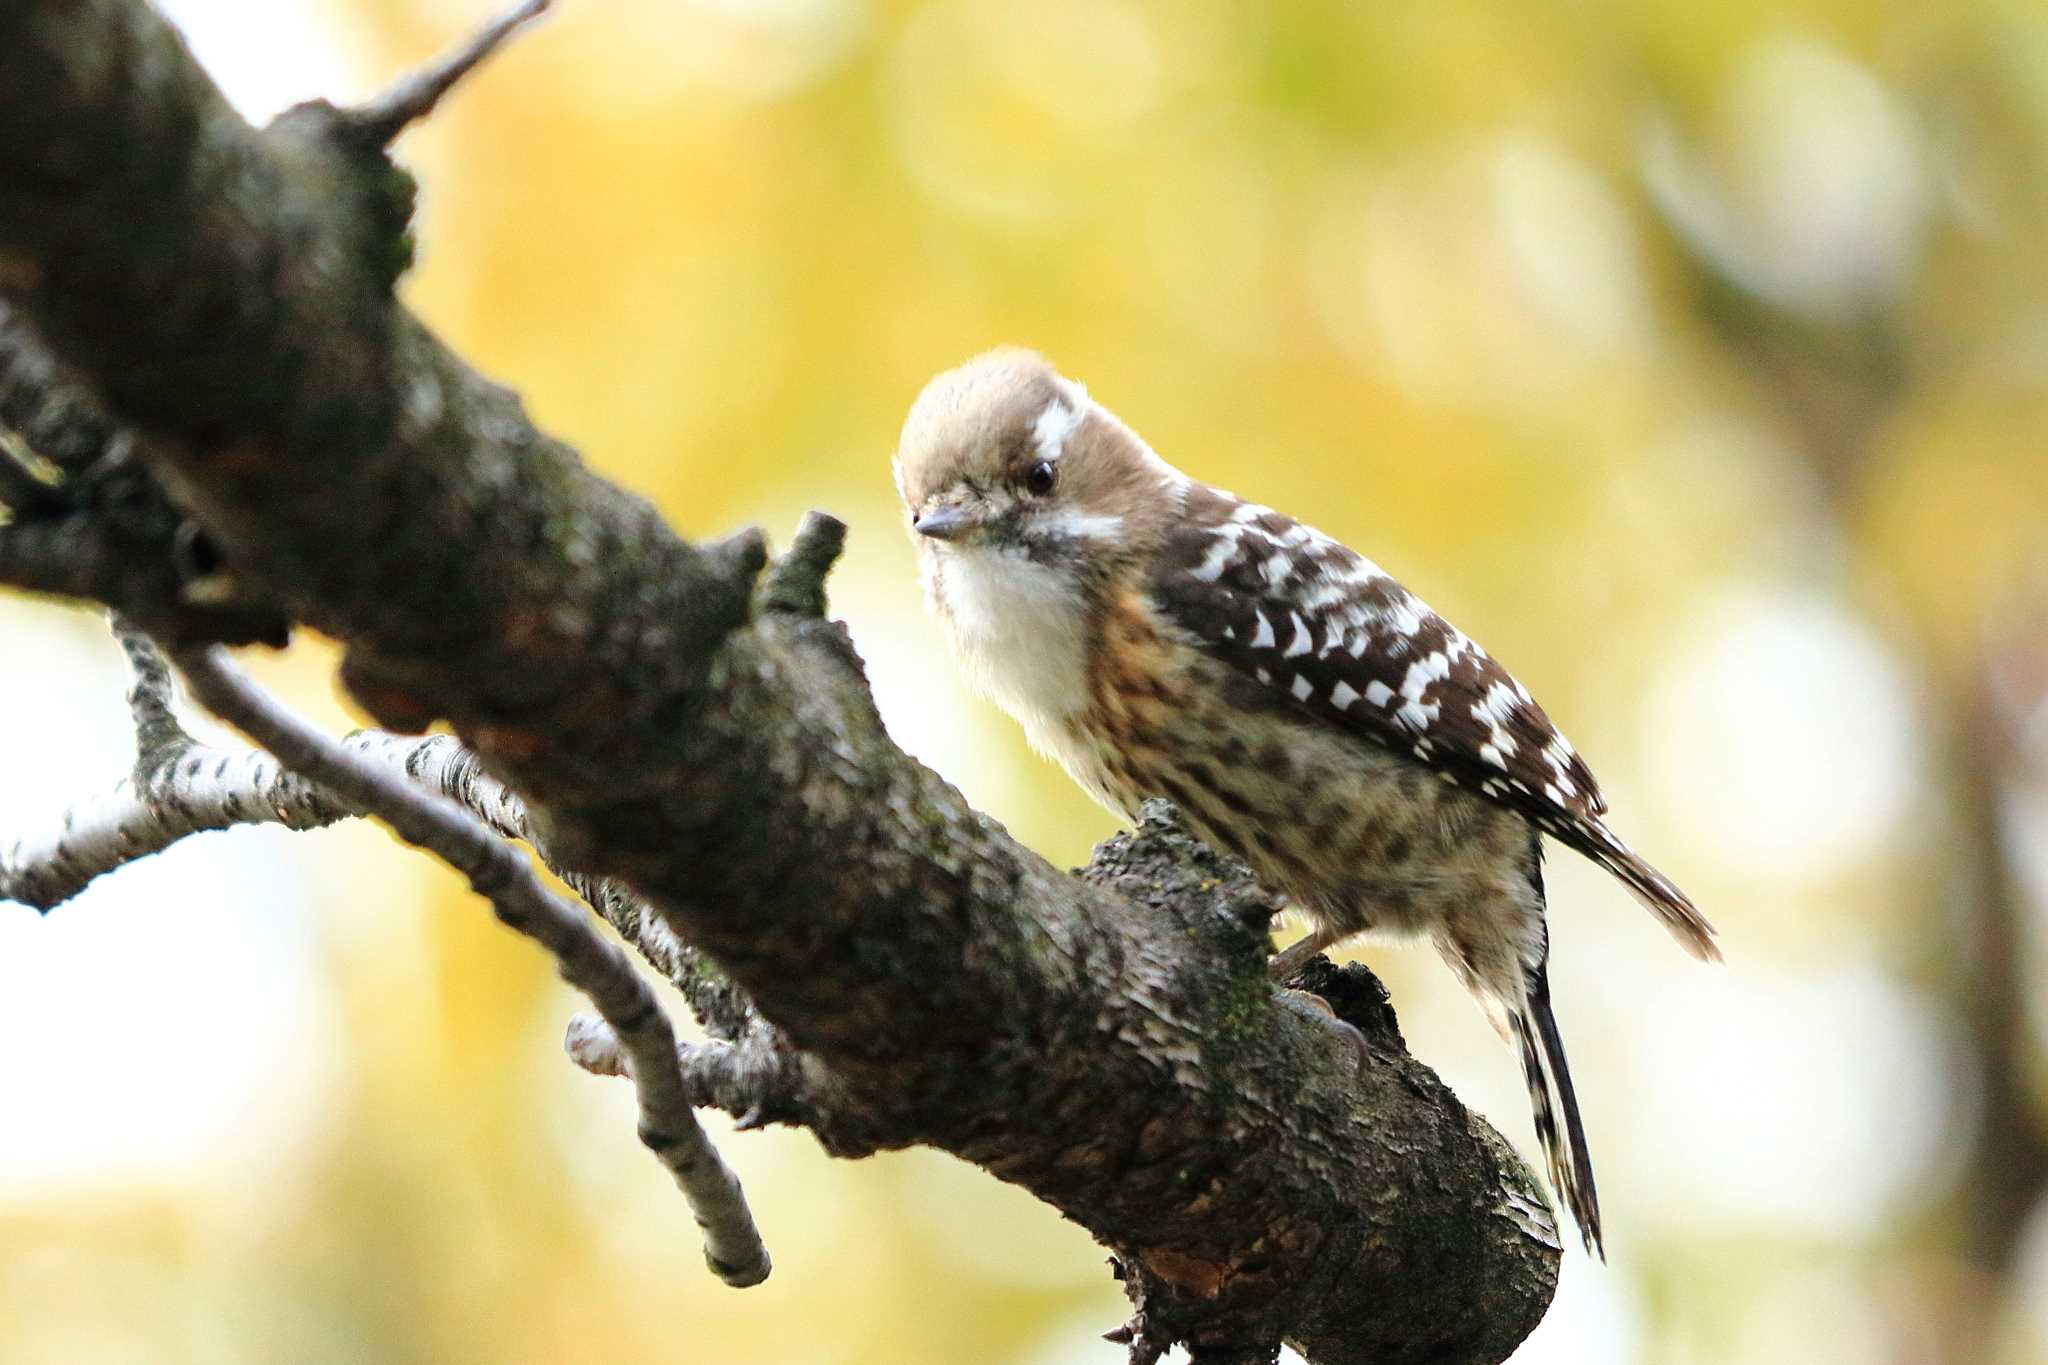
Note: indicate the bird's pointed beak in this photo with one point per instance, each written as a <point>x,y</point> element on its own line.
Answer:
<point>945,523</point>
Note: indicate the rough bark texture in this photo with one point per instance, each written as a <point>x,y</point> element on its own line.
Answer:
<point>1111,1045</point>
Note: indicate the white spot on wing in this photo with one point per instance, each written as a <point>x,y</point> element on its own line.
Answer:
<point>1300,688</point>
<point>1493,708</point>
<point>1417,716</point>
<point>1342,695</point>
<point>1299,645</point>
<point>1262,638</point>
<point>1415,713</point>
<point>1218,559</point>
<point>1326,594</point>
<point>1378,693</point>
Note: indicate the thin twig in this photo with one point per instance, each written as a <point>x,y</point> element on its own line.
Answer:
<point>181,788</point>
<point>159,737</point>
<point>497,871</point>
<point>382,119</point>
<point>756,1076</point>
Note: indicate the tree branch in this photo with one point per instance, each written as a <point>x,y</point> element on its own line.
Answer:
<point>732,1244</point>
<point>755,1080</point>
<point>100,527</point>
<point>1111,1046</point>
<point>384,118</point>
<point>180,787</point>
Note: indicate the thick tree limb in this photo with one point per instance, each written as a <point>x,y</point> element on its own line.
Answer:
<point>85,519</point>
<point>1113,1048</point>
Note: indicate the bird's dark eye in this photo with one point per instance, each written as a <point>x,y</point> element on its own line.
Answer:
<point>1039,479</point>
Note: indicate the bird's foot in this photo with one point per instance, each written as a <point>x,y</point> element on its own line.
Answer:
<point>1295,956</point>
<point>1312,1006</point>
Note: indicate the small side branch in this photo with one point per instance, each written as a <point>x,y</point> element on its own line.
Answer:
<point>381,120</point>
<point>757,1078</point>
<point>732,1245</point>
<point>179,787</point>
<point>795,582</point>
<point>158,734</point>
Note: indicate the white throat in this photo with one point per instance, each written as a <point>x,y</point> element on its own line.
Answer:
<point>1019,629</point>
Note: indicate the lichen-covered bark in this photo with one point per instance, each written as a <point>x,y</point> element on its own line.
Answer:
<point>1112,1046</point>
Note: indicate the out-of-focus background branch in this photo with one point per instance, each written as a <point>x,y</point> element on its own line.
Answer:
<point>1695,358</point>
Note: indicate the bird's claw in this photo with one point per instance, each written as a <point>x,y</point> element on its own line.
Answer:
<point>1312,1006</point>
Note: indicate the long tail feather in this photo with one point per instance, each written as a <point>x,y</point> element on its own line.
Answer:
<point>1549,1079</point>
<point>1657,893</point>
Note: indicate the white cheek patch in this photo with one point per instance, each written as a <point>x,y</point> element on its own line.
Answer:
<point>1079,525</point>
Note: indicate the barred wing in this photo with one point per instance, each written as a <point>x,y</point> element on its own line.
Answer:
<point>1325,626</point>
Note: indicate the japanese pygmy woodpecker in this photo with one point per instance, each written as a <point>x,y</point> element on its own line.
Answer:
<point>1163,638</point>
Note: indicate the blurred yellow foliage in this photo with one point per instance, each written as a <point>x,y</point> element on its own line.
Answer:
<point>1626,333</point>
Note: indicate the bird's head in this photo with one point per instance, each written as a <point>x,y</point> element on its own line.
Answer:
<point>1005,456</point>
